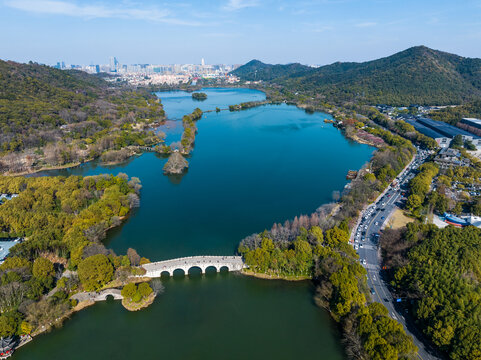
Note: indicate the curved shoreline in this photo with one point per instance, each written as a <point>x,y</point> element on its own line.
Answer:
<point>274,277</point>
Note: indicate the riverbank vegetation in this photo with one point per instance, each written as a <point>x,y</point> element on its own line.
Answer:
<point>51,117</point>
<point>341,288</point>
<point>247,105</point>
<point>62,221</point>
<point>437,274</point>
<point>186,144</point>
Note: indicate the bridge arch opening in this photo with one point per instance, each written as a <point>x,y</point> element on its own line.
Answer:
<point>224,269</point>
<point>195,271</point>
<point>211,270</point>
<point>109,297</point>
<point>165,274</point>
<point>178,273</point>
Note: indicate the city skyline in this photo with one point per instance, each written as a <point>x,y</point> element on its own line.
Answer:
<point>233,31</point>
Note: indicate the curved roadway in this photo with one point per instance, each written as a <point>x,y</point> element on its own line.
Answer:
<point>366,238</point>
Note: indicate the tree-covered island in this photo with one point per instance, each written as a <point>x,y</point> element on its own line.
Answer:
<point>199,96</point>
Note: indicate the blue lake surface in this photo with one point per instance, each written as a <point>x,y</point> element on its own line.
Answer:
<point>248,170</point>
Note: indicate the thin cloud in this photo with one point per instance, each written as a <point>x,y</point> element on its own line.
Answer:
<point>365,24</point>
<point>64,8</point>
<point>234,5</point>
<point>316,27</point>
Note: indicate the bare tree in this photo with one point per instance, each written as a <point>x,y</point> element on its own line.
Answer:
<point>11,295</point>
<point>133,257</point>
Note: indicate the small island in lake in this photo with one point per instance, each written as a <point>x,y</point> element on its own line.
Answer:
<point>199,96</point>
<point>176,164</point>
<point>137,297</point>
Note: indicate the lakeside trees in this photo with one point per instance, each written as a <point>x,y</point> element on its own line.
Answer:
<point>63,221</point>
<point>341,287</point>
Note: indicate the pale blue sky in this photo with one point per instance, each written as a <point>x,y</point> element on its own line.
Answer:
<point>233,31</point>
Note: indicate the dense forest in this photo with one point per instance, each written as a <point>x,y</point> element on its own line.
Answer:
<point>257,70</point>
<point>51,117</point>
<point>418,75</point>
<point>438,272</point>
<point>62,221</point>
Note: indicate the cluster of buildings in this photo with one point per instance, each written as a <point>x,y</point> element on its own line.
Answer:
<point>444,133</point>
<point>143,74</point>
<point>468,128</point>
<point>447,157</point>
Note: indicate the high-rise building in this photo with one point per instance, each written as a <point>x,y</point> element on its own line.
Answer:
<point>203,62</point>
<point>113,64</point>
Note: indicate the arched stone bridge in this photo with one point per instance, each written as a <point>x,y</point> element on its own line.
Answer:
<point>98,296</point>
<point>232,263</point>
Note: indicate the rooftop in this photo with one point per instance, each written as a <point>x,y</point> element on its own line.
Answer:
<point>424,129</point>
<point>474,120</point>
<point>444,128</point>
<point>5,245</point>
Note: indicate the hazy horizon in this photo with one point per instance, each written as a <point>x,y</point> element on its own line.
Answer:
<point>233,31</point>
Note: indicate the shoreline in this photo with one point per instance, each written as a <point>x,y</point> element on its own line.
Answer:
<point>47,168</point>
<point>81,305</point>
<point>274,277</point>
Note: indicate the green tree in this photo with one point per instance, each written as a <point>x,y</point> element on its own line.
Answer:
<point>335,236</point>
<point>43,268</point>
<point>303,252</point>
<point>8,326</point>
<point>413,202</point>
<point>457,141</point>
<point>95,271</point>
<point>144,289</point>
<point>129,290</point>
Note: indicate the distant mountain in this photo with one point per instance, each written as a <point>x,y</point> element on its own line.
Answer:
<point>418,75</point>
<point>257,70</point>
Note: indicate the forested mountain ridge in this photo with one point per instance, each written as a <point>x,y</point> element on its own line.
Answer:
<point>418,75</point>
<point>257,70</point>
<point>42,106</point>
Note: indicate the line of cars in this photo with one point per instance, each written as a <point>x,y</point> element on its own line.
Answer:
<point>366,237</point>
<point>368,233</point>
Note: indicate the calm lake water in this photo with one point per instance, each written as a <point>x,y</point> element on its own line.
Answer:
<point>248,170</point>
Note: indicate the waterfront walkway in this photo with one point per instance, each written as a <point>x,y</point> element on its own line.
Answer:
<point>155,269</point>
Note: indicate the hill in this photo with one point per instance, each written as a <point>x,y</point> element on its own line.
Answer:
<point>418,75</point>
<point>41,106</point>
<point>257,70</point>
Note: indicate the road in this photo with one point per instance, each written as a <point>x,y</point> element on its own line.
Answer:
<point>366,238</point>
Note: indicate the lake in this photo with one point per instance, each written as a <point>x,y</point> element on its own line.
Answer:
<point>248,170</point>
